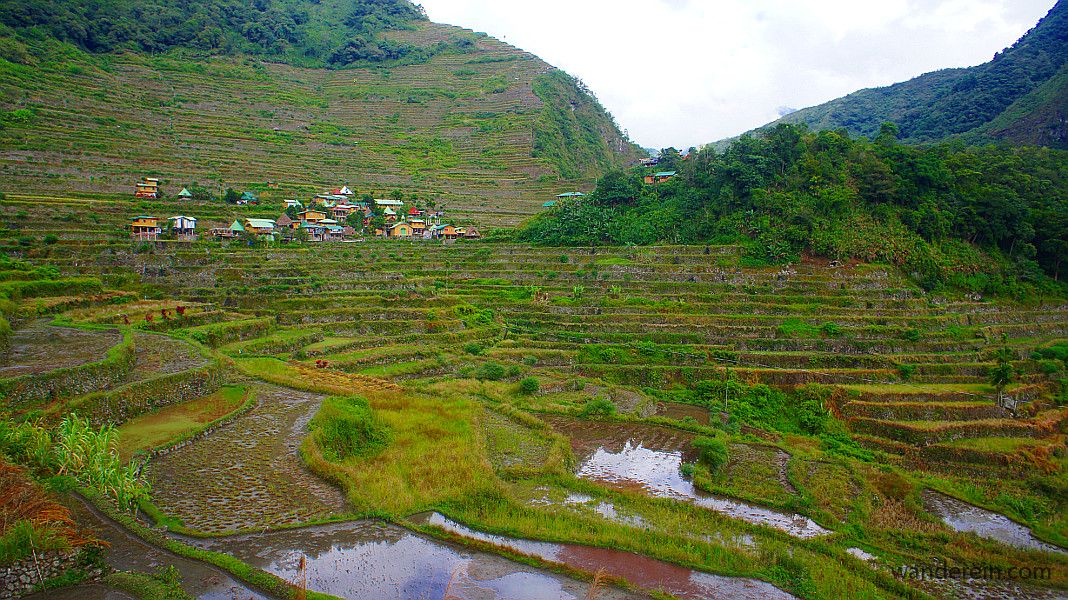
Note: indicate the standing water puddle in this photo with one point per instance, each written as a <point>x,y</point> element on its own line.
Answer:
<point>642,571</point>
<point>961,516</point>
<point>367,559</point>
<point>648,458</point>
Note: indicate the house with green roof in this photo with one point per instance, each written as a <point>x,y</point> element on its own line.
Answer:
<point>185,193</point>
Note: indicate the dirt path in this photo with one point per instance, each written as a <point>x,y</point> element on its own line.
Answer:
<point>247,475</point>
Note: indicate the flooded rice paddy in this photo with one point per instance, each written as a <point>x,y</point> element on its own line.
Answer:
<point>367,559</point>
<point>642,571</point>
<point>648,458</point>
<point>161,355</point>
<point>40,347</point>
<point>247,474</point>
<point>961,516</point>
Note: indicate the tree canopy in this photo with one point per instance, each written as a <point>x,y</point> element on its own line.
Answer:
<point>982,218</point>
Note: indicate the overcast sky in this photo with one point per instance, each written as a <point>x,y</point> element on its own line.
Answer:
<point>686,72</point>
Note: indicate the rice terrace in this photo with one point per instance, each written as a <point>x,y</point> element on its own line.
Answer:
<point>351,304</point>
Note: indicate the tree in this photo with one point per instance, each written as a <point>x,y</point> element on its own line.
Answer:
<point>231,196</point>
<point>617,188</point>
<point>1002,373</point>
<point>669,159</point>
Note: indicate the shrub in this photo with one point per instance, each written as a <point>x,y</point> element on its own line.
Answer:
<point>473,348</point>
<point>346,427</point>
<point>529,386</point>
<point>51,239</point>
<point>906,372</point>
<point>912,334</point>
<point>599,406</point>
<point>530,360</point>
<point>686,470</point>
<point>712,452</point>
<point>831,329</point>
<point>490,371</point>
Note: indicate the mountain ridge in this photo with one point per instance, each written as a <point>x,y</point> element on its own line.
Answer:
<point>488,129</point>
<point>963,102</point>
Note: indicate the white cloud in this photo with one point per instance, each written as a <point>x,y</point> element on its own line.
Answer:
<point>687,72</point>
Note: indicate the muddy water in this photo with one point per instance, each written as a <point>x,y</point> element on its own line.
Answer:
<point>642,571</point>
<point>366,559</point>
<point>962,516</point>
<point>248,474</point>
<point>644,457</point>
<point>678,411</point>
<point>88,591</point>
<point>161,355</point>
<point>130,553</point>
<point>39,347</point>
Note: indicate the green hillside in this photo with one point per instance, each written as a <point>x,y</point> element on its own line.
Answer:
<point>489,130</point>
<point>986,219</point>
<point>1017,96</point>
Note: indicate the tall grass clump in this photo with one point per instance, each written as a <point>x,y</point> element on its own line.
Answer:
<point>346,427</point>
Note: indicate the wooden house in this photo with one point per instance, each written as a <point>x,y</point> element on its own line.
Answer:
<point>390,203</point>
<point>418,227</point>
<point>144,227</point>
<point>185,194</point>
<point>400,230</point>
<point>389,214</point>
<point>660,177</point>
<point>472,233</point>
<point>248,198</point>
<point>311,215</point>
<point>314,231</point>
<point>342,211</point>
<point>260,226</point>
<point>184,227</point>
<point>148,187</point>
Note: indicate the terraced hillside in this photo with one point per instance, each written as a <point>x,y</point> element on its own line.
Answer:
<point>558,404</point>
<point>466,127</point>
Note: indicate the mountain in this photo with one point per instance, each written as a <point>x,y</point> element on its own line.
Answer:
<point>307,94</point>
<point>1019,96</point>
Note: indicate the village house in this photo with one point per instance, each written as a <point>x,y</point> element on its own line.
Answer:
<point>145,228</point>
<point>184,227</point>
<point>472,233</point>
<point>248,198</point>
<point>342,191</point>
<point>390,215</point>
<point>418,227</point>
<point>294,204</point>
<point>342,211</point>
<point>285,222</point>
<point>660,177</point>
<point>389,203</point>
<point>260,226</point>
<point>311,215</point>
<point>185,194</point>
<point>400,230</point>
<point>314,231</point>
<point>148,187</point>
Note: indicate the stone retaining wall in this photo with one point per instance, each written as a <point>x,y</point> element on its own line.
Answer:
<point>22,577</point>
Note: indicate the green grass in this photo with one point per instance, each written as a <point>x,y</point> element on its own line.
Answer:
<point>177,421</point>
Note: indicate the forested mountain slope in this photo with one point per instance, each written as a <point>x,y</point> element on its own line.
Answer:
<point>1018,96</point>
<point>309,95</point>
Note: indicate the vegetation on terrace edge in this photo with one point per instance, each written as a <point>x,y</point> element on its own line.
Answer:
<point>1018,96</point>
<point>984,219</point>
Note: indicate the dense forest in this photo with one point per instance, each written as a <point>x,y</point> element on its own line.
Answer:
<point>1019,82</point>
<point>987,219</point>
<point>316,33</point>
